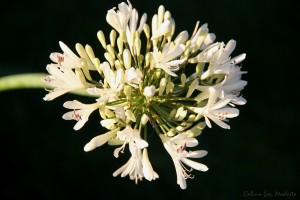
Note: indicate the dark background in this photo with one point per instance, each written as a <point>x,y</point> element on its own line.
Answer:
<point>42,157</point>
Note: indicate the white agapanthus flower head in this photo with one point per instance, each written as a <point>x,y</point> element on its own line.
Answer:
<point>150,79</point>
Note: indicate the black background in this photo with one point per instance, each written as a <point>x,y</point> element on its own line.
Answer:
<point>42,157</point>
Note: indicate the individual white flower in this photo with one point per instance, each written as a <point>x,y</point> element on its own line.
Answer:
<point>68,59</point>
<point>148,171</point>
<point>149,91</point>
<point>176,147</point>
<point>100,140</point>
<point>201,35</point>
<point>165,60</point>
<point>133,77</point>
<point>80,113</point>
<point>115,82</point>
<point>219,59</point>
<point>119,20</point>
<point>133,26</point>
<point>138,166</point>
<point>231,85</point>
<point>163,29</point>
<point>63,80</point>
<point>217,111</point>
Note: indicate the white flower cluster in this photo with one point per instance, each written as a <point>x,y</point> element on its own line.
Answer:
<point>177,84</point>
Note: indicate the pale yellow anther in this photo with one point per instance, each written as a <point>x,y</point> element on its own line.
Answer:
<point>162,86</point>
<point>112,37</point>
<point>127,59</point>
<point>101,38</point>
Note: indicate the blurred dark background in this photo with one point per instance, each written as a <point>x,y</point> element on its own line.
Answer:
<point>42,157</point>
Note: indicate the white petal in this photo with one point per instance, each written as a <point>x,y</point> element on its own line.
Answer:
<point>164,28</point>
<point>99,140</point>
<point>195,165</point>
<point>147,167</point>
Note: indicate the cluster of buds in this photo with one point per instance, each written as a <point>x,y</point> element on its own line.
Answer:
<point>177,84</point>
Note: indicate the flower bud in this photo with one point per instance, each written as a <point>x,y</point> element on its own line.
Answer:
<point>127,59</point>
<point>149,91</point>
<point>112,37</point>
<point>101,38</point>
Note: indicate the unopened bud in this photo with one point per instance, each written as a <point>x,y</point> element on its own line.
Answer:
<point>101,38</point>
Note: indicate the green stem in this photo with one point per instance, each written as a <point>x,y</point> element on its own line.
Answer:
<point>28,81</point>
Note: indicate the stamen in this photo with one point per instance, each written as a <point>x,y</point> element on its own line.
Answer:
<point>76,116</point>
<point>60,59</point>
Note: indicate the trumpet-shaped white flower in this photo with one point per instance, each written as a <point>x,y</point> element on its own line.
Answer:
<point>165,60</point>
<point>202,37</point>
<point>100,140</point>
<point>115,82</point>
<point>80,113</point>
<point>231,85</point>
<point>221,62</point>
<point>125,20</point>
<point>119,20</point>
<point>138,166</point>
<point>163,29</point>
<point>176,147</point>
<point>68,59</point>
<point>63,80</point>
<point>217,111</point>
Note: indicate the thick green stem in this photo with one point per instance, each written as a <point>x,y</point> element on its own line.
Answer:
<point>28,81</point>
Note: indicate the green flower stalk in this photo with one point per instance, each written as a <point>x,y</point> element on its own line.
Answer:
<point>177,84</point>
